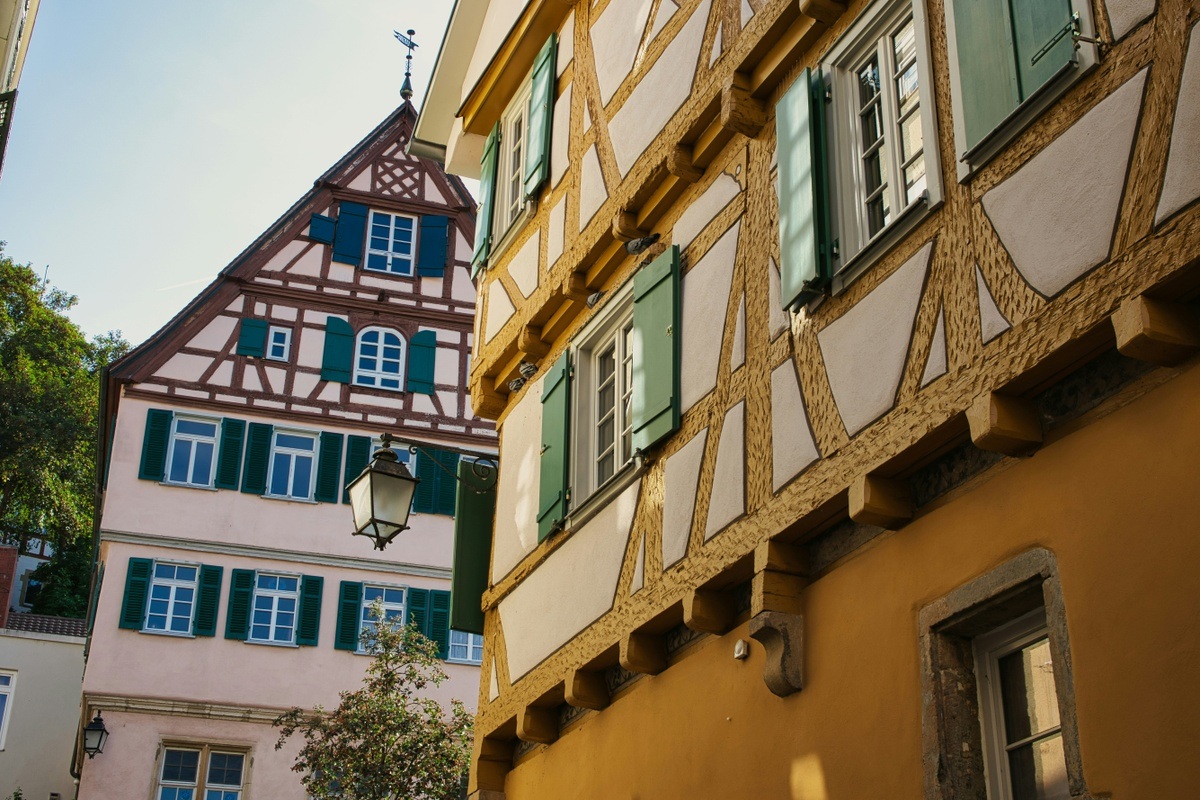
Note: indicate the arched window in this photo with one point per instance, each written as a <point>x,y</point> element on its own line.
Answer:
<point>379,359</point>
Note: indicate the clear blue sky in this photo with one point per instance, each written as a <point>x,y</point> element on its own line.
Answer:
<point>153,140</point>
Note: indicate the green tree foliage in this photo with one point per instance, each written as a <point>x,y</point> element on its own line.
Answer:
<point>385,741</point>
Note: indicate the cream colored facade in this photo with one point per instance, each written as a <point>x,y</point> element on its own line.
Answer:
<point>989,410</point>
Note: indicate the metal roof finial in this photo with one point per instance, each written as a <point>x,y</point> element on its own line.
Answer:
<point>406,90</point>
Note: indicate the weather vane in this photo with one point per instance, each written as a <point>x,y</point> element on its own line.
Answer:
<point>406,90</point>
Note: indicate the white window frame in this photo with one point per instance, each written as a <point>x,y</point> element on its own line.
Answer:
<point>173,585</point>
<point>286,344</point>
<point>473,643</point>
<point>294,453</point>
<point>365,607</point>
<point>201,785</point>
<point>276,595</point>
<point>7,690</point>
<point>194,439</point>
<point>377,374</point>
<point>394,252</point>
<point>871,34</point>
<point>510,165</point>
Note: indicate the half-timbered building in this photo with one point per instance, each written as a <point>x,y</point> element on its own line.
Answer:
<point>230,587</point>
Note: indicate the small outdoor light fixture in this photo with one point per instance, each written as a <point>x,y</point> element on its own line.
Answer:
<point>381,497</point>
<point>94,736</point>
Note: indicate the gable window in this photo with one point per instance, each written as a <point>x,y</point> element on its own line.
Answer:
<point>390,243</point>
<point>275,605</point>
<point>172,598</point>
<point>192,451</point>
<point>190,773</point>
<point>379,359</point>
<point>391,599</point>
<point>8,680</point>
<point>279,343</point>
<point>293,455</point>
<point>466,647</point>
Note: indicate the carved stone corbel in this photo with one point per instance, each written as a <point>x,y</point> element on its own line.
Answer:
<point>782,636</point>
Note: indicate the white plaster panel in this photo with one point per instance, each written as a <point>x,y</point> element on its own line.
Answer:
<point>615,38</point>
<point>1124,15</point>
<point>182,392</point>
<point>585,569</point>
<point>462,288</point>
<point>362,181</point>
<point>680,476</point>
<point>747,13</point>
<point>433,194</point>
<point>260,309</point>
<point>517,489</point>
<point>222,375</point>
<point>332,393</point>
<point>286,313</point>
<point>493,688</point>
<point>639,568</point>
<point>779,315</point>
<point>716,48</point>
<point>312,345</point>
<point>1056,214</point>
<point>499,310</point>
<point>566,44</point>
<point>286,253</point>
<point>276,377</point>
<point>215,335</point>
<point>738,356</point>
<point>666,10</point>
<point>236,305</point>
<point>936,366</point>
<point>554,236</point>
<point>560,137</point>
<point>714,199</point>
<point>991,321</point>
<point>250,381</point>
<point>1181,184</point>
<point>659,94</point>
<point>587,119</point>
<point>728,499</point>
<point>156,387</point>
<point>309,264</point>
<point>524,265</point>
<point>449,402</point>
<point>792,444</point>
<point>592,192</point>
<point>705,298</point>
<point>445,367</point>
<point>275,404</point>
<point>864,349</point>
<point>422,404</point>
<point>183,367</point>
<point>343,273</point>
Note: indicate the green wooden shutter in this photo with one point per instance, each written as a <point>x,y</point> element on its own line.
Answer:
<point>656,350</point>
<point>337,360</point>
<point>487,199</point>
<point>541,118</point>
<point>229,458</point>
<point>349,602</point>
<point>418,609</point>
<point>431,246</point>
<point>241,593</point>
<point>154,446</point>
<point>258,456</point>
<point>1035,23</point>
<point>208,598</point>
<point>473,523</point>
<point>447,486</point>
<point>350,234</point>
<point>308,625</point>
<point>422,356</point>
<point>439,621</point>
<point>252,338</point>
<point>358,455</point>
<point>986,68</point>
<point>556,426</point>
<point>425,496</point>
<point>137,588</point>
<point>329,468</point>
<point>803,268</point>
<point>321,228</point>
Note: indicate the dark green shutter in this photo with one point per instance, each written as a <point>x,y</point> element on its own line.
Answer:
<point>337,360</point>
<point>985,66</point>
<point>803,268</point>
<point>431,246</point>
<point>541,118</point>
<point>350,234</point>
<point>473,521</point>
<point>137,588</point>
<point>425,496</point>
<point>446,485</point>
<point>439,621</point>
<point>241,592</point>
<point>208,598</point>
<point>418,610</point>
<point>1035,23</point>
<point>308,625</point>
<point>252,338</point>
<point>349,602</point>
<point>358,455</point>
<point>154,446</point>
<point>422,356</point>
<point>229,458</point>
<point>487,199</point>
<point>556,424</point>
<point>329,468</point>
<point>656,350</point>
<point>320,228</point>
<point>258,456</point>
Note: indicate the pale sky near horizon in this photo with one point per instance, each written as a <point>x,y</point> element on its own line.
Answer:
<point>154,140</point>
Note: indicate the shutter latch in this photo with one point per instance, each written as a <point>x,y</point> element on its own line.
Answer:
<point>1071,28</point>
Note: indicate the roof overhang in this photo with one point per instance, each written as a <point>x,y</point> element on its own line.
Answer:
<point>436,124</point>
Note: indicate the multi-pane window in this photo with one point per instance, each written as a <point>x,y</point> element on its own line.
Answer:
<point>466,647</point>
<point>390,243</point>
<point>379,359</point>
<point>172,599</point>
<point>276,598</point>
<point>510,178</point>
<point>7,683</point>
<point>279,343</point>
<point>391,599</point>
<point>200,774</point>
<point>293,456</point>
<point>192,451</point>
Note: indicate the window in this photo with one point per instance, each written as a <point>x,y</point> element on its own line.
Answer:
<point>510,177</point>
<point>8,682</point>
<point>192,451</point>
<point>379,360</point>
<point>276,598</point>
<point>390,243</point>
<point>1009,59</point>
<point>392,600</point>
<point>292,457</point>
<point>279,343</point>
<point>466,647</point>
<point>190,773</point>
<point>172,598</point>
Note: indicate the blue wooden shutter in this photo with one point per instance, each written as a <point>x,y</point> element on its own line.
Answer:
<point>252,338</point>
<point>358,455</point>
<point>308,624</point>
<point>556,427</point>
<point>229,458</point>
<point>351,233</point>
<point>137,588</point>
<point>803,267</point>
<point>237,616</point>
<point>418,610</point>
<point>431,246</point>
<point>422,356</point>
<point>329,468</point>
<point>337,360</point>
<point>321,228</point>
<point>439,621</point>
<point>656,340</point>
<point>154,445</point>
<point>541,118</point>
<point>446,485</point>
<point>487,199</point>
<point>258,457</point>
<point>208,599</point>
<point>349,602</point>
<point>473,521</point>
<point>425,495</point>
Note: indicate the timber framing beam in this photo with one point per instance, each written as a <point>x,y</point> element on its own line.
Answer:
<point>1157,331</point>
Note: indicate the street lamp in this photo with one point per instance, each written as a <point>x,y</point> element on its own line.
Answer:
<point>381,497</point>
<point>94,736</point>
